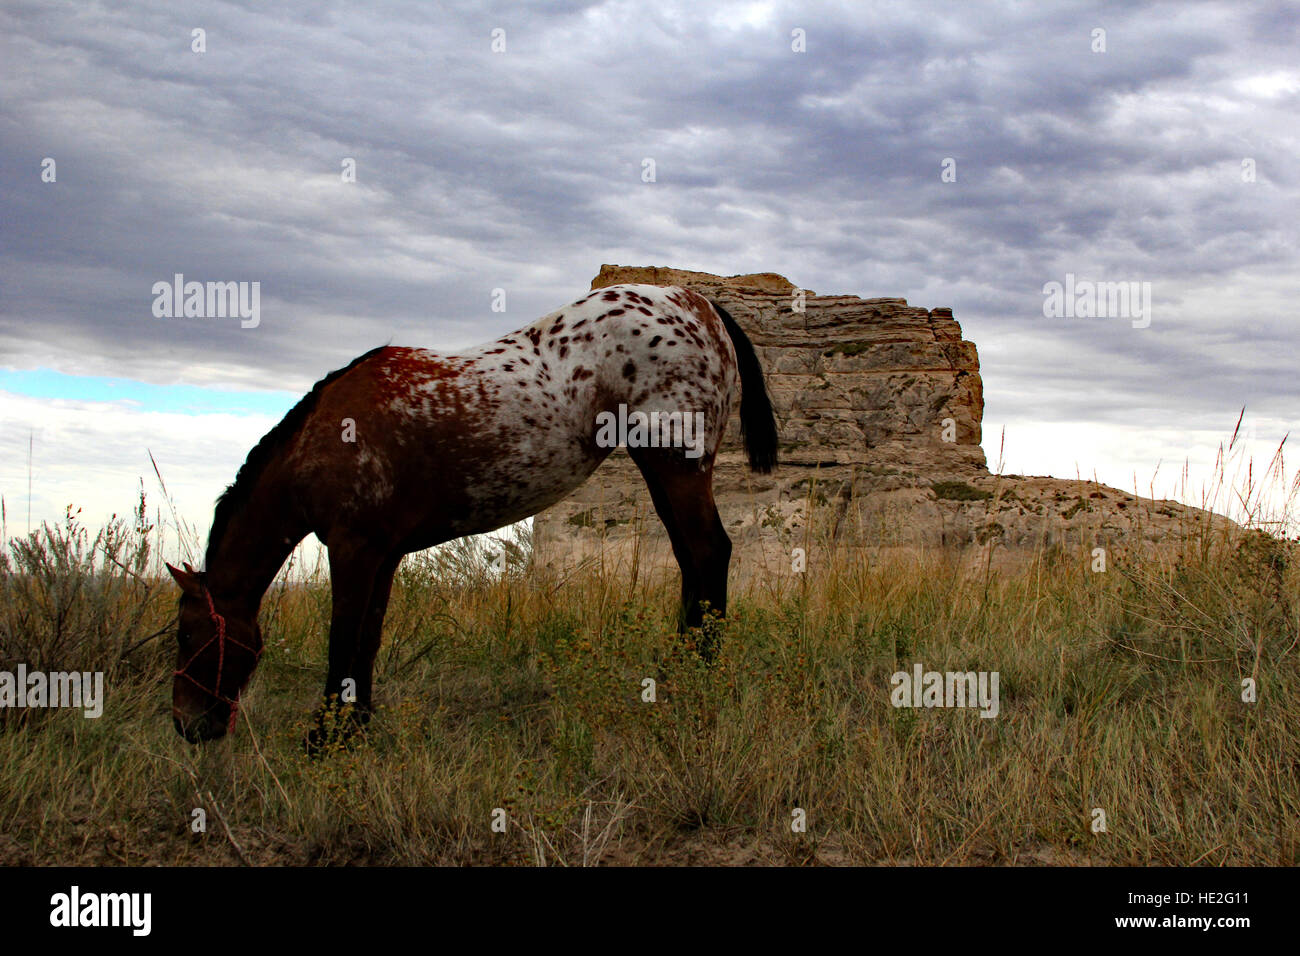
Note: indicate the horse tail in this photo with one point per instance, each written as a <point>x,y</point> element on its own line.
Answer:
<point>757,423</point>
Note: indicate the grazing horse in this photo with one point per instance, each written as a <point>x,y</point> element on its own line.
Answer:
<point>406,448</point>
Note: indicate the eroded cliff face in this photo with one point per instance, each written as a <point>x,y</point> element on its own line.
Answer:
<point>878,407</point>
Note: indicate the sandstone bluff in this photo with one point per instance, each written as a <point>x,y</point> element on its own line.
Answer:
<point>879,407</point>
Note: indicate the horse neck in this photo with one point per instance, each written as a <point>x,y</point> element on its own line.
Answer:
<point>258,538</point>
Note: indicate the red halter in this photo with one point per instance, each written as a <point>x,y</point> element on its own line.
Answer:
<point>220,637</point>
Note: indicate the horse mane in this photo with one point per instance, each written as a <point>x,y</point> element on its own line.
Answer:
<point>237,492</point>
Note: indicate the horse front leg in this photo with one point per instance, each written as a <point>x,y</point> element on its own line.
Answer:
<point>354,578</point>
<point>372,635</point>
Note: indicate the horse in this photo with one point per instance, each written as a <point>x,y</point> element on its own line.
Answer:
<point>407,448</point>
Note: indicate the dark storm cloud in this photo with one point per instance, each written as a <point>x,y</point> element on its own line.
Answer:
<point>522,170</point>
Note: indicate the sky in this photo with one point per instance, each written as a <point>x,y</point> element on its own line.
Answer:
<point>957,155</point>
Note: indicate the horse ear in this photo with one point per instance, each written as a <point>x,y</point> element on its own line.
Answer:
<point>188,580</point>
<point>186,566</point>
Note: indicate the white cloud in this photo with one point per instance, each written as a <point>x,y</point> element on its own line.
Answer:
<point>93,455</point>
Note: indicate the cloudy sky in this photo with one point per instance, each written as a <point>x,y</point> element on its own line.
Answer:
<point>1163,150</point>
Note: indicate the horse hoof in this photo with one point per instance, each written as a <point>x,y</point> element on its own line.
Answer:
<point>336,728</point>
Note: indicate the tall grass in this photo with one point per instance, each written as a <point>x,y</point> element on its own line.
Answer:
<point>509,694</point>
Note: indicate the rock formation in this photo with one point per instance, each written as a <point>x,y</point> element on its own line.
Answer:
<point>878,406</point>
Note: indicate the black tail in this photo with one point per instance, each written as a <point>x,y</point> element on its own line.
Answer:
<point>757,423</point>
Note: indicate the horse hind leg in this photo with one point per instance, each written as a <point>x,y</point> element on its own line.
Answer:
<point>683,498</point>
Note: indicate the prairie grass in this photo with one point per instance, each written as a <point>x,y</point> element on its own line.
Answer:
<point>509,693</point>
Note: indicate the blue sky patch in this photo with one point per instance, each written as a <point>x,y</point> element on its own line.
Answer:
<point>146,396</point>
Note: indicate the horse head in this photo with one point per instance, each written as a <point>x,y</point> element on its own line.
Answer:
<point>217,651</point>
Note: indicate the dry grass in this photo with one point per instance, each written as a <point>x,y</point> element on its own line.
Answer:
<point>1119,690</point>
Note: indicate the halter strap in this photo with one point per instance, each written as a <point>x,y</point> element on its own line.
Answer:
<point>221,638</point>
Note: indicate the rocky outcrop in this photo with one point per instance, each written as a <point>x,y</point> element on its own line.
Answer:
<point>878,405</point>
